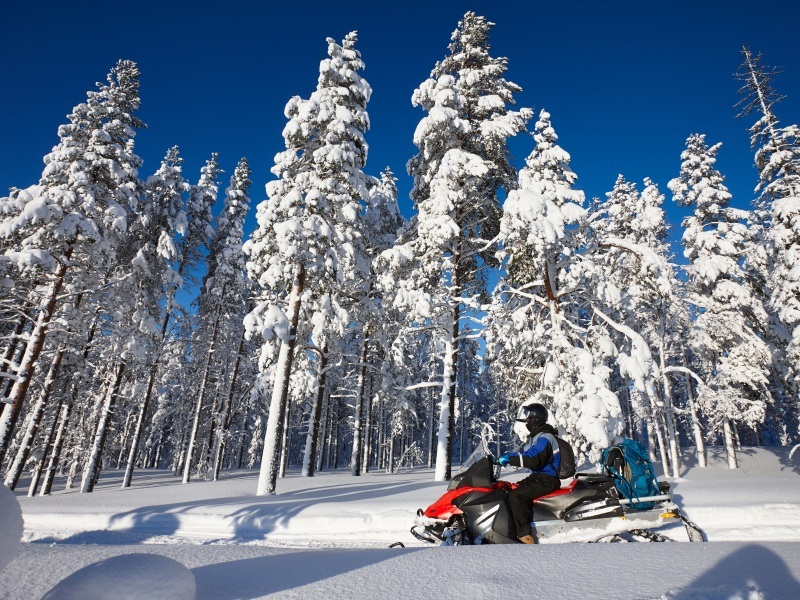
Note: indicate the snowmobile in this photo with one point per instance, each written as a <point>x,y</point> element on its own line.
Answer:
<point>587,508</point>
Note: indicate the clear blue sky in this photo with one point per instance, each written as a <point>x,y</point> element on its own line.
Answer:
<point>625,82</point>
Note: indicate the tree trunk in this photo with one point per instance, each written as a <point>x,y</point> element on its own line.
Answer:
<point>13,475</point>
<point>325,429</point>
<point>243,433</point>
<point>157,457</point>
<point>662,447</point>
<point>310,453</point>
<point>48,450</point>
<point>268,474</point>
<point>461,432</point>
<point>730,447</point>
<point>697,430</point>
<point>355,457</point>
<point>285,442</point>
<point>204,456</point>
<point>382,435</point>
<point>198,409</point>
<point>225,416</point>
<point>649,425</point>
<point>368,430</point>
<point>33,349</point>
<point>444,447</point>
<point>126,431</point>
<point>93,467</point>
<point>137,433</point>
<point>431,406</point>
<point>669,414</point>
<point>58,444</point>
<point>390,465</point>
<point>334,462</point>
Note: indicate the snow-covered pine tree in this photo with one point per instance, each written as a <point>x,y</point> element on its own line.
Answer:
<point>382,221</point>
<point>230,278</point>
<point>630,231</point>
<point>89,183</point>
<point>192,247</point>
<point>776,227</point>
<point>462,164</point>
<point>136,305</point>
<point>541,340</point>
<point>165,218</point>
<point>221,308</point>
<point>730,319</point>
<point>308,241</point>
<point>199,231</point>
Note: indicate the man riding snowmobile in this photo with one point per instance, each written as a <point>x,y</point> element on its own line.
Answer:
<point>541,455</point>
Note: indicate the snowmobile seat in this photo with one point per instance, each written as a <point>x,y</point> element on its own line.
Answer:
<point>555,504</point>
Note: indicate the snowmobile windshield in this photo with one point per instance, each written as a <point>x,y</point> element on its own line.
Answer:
<point>477,471</point>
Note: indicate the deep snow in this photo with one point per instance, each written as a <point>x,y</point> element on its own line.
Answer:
<point>328,535</point>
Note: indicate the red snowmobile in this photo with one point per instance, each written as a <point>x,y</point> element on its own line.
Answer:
<point>587,508</point>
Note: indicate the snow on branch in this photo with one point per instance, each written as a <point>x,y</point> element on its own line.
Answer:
<point>695,376</point>
<point>639,364</point>
<point>651,261</point>
<point>417,386</point>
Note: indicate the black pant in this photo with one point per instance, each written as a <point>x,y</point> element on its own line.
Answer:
<point>520,499</point>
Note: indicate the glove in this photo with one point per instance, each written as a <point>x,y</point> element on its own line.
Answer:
<point>503,460</point>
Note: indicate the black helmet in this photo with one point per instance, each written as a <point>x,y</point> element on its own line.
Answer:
<point>533,414</point>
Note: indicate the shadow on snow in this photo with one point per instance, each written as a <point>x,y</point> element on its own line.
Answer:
<point>250,518</point>
<point>753,568</point>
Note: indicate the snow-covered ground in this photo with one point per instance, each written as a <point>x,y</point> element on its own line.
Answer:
<point>329,535</point>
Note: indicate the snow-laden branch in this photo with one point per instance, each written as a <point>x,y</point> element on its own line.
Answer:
<point>639,365</point>
<point>529,370</point>
<point>650,258</point>
<point>106,285</point>
<point>417,386</point>
<point>687,371</point>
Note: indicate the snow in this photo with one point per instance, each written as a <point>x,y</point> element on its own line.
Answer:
<point>328,536</point>
<point>136,576</point>
<point>10,526</point>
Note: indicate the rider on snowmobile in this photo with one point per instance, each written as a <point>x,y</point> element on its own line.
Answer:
<point>541,456</point>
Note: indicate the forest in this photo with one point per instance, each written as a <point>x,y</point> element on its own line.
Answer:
<point>339,334</point>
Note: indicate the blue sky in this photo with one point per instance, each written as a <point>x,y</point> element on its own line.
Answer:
<point>625,82</point>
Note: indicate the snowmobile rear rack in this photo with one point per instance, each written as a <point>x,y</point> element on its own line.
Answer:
<point>646,499</point>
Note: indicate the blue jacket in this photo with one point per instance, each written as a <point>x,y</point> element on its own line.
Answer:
<point>541,454</point>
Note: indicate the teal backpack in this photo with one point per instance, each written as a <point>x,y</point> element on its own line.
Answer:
<point>632,472</point>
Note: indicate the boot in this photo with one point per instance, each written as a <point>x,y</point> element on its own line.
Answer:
<point>527,539</point>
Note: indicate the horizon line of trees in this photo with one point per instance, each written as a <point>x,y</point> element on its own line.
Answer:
<point>338,333</point>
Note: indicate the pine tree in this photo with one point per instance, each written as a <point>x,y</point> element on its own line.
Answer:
<point>73,226</point>
<point>631,233</point>
<point>462,164</point>
<point>776,226</point>
<point>136,305</point>
<point>309,231</point>
<point>221,307</point>
<point>731,320</point>
<point>165,220</point>
<point>542,342</point>
<point>382,221</point>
